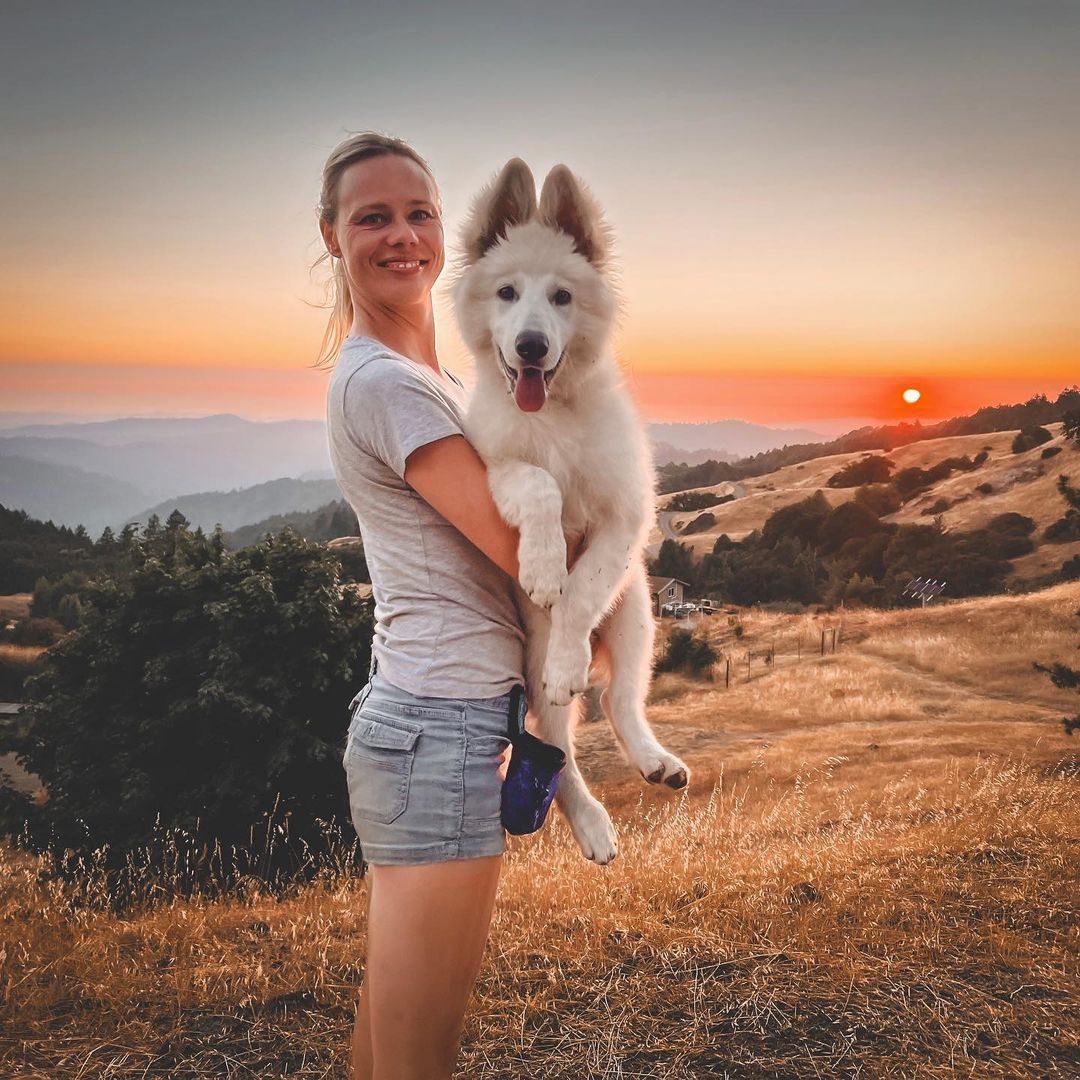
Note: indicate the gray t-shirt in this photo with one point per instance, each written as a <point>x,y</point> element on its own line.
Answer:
<point>446,622</point>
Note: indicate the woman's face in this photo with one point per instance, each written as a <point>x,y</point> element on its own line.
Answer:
<point>388,233</point>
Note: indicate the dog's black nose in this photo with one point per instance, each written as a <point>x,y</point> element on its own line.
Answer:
<point>531,346</point>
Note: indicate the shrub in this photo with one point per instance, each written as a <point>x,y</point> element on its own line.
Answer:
<point>1049,452</point>
<point>980,457</point>
<point>879,499</point>
<point>695,500</point>
<point>1064,530</point>
<point>986,489</point>
<point>701,523</point>
<point>873,469</point>
<point>939,507</point>
<point>205,692</point>
<point>685,652</point>
<point>1030,437</point>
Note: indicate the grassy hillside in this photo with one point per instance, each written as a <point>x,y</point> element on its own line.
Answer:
<point>1022,483</point>
<point>874,873</point>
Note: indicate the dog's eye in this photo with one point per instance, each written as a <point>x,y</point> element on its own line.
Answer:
<point>561,297</point>
<point>507,293</point>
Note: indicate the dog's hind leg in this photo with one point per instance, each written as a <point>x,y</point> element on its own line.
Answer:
<point>628,633</point>
<point>555,724</point>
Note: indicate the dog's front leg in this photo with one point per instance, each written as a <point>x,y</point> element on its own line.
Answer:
<point>593,585</point>
<point>528,498</point>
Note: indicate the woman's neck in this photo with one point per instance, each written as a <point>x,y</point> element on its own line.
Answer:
<point>410,333</point>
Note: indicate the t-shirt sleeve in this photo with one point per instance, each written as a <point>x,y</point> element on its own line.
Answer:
<point>391,411</point>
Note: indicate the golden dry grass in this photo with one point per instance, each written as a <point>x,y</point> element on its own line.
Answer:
<point>15,606</point>
<point>873,874</point>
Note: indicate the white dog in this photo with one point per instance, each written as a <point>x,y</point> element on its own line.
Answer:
<point>567,460</point>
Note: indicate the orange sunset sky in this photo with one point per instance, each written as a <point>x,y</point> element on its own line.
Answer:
<point>816,206</point>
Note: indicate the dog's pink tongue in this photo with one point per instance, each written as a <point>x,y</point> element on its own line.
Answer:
<point>530,391</point>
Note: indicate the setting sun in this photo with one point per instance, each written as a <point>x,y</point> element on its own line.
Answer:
<point>911,396</point>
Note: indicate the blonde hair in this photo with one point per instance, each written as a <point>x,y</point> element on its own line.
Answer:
<point>359,147</point>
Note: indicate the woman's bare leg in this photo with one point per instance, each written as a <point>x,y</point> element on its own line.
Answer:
<point>362,1065</point>
<point>427,929</point>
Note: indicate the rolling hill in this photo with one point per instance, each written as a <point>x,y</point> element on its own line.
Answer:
<point>1022,483</point>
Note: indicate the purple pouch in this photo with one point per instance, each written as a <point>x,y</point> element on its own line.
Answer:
<point>532,777</point>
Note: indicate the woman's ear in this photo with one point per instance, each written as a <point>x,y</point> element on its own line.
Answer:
<point>329,238</point>
<point>510,199</point>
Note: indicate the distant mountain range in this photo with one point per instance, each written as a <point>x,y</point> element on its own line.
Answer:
<point>732,438</point>
<point>227,469</point>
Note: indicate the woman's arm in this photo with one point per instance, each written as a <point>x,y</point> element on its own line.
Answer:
<point>452,477</point>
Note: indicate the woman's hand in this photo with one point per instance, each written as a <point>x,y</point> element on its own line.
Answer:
<point>451,476</point>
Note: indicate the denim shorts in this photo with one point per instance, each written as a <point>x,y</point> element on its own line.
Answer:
<point>423,774</point>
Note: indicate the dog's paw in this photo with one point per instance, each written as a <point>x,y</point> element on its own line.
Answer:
<point>566,670</point>
<point>657,766</point>
<point>542,573</point>
<point>595,834</point>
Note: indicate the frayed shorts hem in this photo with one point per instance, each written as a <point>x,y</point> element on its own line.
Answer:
<point>393,855</point>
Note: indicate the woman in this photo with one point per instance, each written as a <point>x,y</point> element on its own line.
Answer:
<point>428,730</point>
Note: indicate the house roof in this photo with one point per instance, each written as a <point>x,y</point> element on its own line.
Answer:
<point>658,584</point>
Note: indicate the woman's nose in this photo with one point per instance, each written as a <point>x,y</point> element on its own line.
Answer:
<point>401,232</point>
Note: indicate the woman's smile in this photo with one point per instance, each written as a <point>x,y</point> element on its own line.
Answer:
<point>404,266</point>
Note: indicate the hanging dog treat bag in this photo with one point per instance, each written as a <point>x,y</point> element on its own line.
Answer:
<point>532,777</point>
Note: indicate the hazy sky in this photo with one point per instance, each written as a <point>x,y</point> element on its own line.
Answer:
<point>817,204</point>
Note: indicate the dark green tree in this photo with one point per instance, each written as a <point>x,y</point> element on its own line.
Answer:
<point>801,520</point>
<point>1030,437</point>
<point>1070,425</point>
<point>205,691</point>
<point>874,469</point>
<point>674,560</point>
<point>1068,527</point>
<point>685,652</point>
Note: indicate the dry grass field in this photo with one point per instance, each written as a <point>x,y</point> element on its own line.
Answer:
<point>15,606</point>
<point>1022,483</point>
<point>874,873</point>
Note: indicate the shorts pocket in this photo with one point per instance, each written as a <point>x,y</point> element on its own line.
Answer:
<point>379,764</point>
<point>483,783</point>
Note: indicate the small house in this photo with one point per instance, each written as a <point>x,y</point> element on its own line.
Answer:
<point>666,590</point>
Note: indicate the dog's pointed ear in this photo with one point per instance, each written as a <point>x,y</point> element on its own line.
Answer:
<point>566,204</point>
<point>510,199</point>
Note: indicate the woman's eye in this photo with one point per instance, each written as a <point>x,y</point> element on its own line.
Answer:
<point>371,219</point>
<point>425,213</point>
<point>507,293</point>
<point>561,297</point>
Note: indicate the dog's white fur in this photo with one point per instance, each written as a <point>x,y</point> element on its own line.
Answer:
<point>579,467</point>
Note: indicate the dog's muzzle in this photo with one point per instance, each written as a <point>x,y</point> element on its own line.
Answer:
<point>512,373</point>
